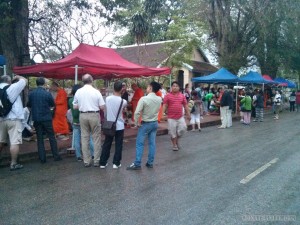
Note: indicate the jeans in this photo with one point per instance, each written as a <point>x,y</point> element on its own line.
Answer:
<point>48,128</point>
<point>147,129</point>
<point>292,106</point>
<point>118,148</point>
<point>77,141</point>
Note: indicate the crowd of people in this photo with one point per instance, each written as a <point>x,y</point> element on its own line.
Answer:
<point>47,108</point>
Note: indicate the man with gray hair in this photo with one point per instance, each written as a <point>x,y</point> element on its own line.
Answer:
<point>89,101</point>
<point>11,125</point>
<point>225,101</point>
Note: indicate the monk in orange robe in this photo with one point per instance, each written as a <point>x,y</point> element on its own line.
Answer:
<point>60,124</point>
<point>138,93</point>
<point>160,112</point>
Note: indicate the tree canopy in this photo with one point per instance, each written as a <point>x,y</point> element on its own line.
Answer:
<point>240,33</point>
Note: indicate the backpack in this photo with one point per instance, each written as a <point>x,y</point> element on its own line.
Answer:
<point>5,104</point>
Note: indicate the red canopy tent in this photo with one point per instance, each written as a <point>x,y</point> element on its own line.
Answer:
<point>102,63</point>
<point>267,77</point>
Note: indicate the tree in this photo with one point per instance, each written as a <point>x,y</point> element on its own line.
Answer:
<point>14,32</point>
<point>57,26</point>
<point>146,20</point>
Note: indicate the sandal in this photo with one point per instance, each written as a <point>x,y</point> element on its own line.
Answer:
<point>16,167</point>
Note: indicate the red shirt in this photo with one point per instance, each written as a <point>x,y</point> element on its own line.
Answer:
<point>175,103</point>
<point>297,97</point>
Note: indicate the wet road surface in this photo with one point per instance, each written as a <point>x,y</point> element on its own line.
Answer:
<point>240,175</point>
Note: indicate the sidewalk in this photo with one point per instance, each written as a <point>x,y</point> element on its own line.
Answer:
<point>28,150</point>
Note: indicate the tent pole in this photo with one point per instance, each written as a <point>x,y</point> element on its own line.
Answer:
<point>236,98</point>
<point>76,74</point>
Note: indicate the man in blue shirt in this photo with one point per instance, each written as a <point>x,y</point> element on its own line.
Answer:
<point>41,102</point>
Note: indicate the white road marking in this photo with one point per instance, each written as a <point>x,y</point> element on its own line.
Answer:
<point>258,171</point>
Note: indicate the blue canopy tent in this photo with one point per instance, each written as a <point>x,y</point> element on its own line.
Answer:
<point>289,83</point>
<point>255,78</point>
<point>3,63</point>
<point>222,76</point>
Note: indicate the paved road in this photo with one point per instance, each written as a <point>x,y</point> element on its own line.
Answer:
<point>207,182</point>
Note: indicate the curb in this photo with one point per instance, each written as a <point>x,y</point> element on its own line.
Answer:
<point>5,160</point>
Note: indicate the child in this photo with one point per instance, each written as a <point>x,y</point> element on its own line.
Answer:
<point>195,113</point>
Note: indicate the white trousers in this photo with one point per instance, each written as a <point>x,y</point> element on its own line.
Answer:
<point>224,116</point>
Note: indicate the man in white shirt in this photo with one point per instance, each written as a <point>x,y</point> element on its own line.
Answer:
<point>113,104</point>
<point>11,125</point>
<point>89,101</point>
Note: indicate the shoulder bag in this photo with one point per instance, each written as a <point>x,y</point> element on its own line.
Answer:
<point>109,127</point>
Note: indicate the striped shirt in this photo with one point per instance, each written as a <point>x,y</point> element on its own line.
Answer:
<point>175,103</point>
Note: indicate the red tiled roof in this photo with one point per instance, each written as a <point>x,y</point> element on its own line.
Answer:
<point>203,67</point>
<point>152,55</point>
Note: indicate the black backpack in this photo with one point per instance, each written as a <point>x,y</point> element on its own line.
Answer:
<point>5,104</point>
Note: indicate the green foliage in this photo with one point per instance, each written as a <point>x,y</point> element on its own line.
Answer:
<point>140,27</point>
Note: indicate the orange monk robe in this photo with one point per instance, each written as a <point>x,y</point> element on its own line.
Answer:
<point>135,99</point>
<point>60,124</point>
<point>160,112</point>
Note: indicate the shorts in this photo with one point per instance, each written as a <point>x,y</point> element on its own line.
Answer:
<point>195,118</point>
<point>177,127</point>
<point>11,130</point>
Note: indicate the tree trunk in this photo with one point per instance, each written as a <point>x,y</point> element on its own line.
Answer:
<point>14,41</point>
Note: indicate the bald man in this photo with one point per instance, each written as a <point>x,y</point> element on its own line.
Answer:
<point>89,101</point>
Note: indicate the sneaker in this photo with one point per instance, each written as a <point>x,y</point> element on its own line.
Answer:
<point>199,130</point>
<point>87,165</point>
<point>192,130</point>
<point>255,120</point>
<point>149,165</point>
<point>103,167</point>
<point>16,167</point>
<point>116,167</point>
<point>133,167</point>
<point>175,148</point>
<point>79,159</point>
<point>96,164</point>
